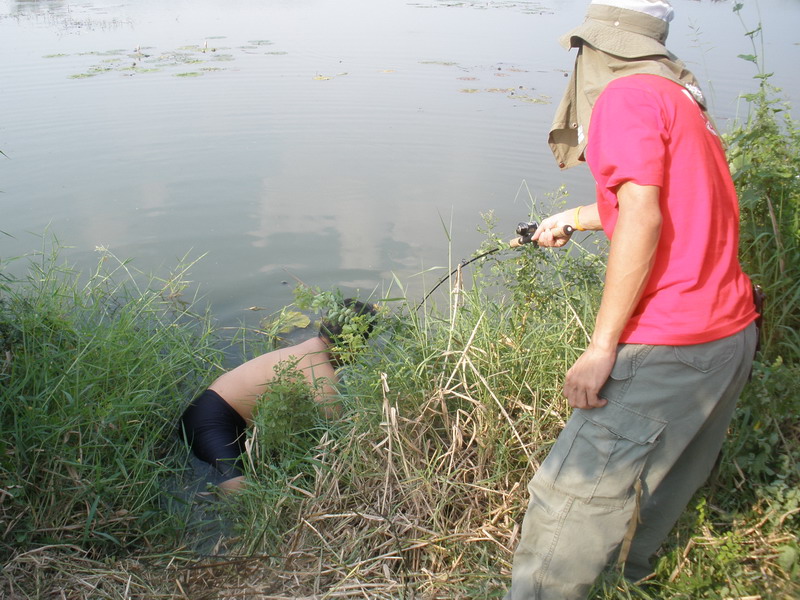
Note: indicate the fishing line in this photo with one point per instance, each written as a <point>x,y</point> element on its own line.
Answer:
<point>525,231</point>
<point>461,265</point>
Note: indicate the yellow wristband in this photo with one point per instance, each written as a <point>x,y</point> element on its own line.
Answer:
<point>578,225</point>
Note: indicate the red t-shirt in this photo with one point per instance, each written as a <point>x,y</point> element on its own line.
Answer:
<point>650,130</point>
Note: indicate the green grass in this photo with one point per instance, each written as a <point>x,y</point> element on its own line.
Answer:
<point>92,376</point>
<point>417,491</point>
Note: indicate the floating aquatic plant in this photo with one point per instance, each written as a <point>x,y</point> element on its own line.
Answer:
<point>147,59</point>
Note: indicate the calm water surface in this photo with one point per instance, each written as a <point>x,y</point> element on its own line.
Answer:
<point>331,140</point>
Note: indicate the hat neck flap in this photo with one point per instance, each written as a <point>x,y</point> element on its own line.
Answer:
<point>594,70</point>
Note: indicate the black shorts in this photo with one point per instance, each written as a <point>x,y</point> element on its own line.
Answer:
<point>215,432</point>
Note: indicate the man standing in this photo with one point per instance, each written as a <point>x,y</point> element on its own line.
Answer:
<point>674,337</point>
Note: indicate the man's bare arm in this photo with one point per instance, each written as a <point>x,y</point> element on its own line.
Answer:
<point>630,262</point>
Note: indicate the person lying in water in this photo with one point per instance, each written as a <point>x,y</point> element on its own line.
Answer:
<point>215,422</point>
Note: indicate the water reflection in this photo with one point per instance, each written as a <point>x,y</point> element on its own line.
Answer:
<point>531,8</point>
<point>341,141</point>
<point>66,17</point>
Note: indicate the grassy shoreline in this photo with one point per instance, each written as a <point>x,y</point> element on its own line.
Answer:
<point>416,493</point>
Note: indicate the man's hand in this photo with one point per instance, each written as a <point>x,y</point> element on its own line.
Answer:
<point>587,376</point>
<point>589,221</point>
<point>544,233</point>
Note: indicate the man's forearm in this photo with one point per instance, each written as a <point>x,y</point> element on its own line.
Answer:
<point>585,218</point>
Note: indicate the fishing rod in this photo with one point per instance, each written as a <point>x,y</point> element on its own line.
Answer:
<point>524,231</point>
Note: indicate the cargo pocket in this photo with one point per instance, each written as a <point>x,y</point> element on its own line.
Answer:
<point>601,453</point>
<point>629,357</point>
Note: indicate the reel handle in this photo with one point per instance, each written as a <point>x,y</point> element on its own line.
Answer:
<point>563,232</point>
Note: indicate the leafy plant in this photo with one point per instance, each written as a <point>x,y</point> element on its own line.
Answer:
<point>764,155</point>
<point>352,328</point>
<point>284,414</point>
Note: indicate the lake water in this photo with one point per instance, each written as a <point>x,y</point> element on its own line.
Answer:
<point>335,141</point>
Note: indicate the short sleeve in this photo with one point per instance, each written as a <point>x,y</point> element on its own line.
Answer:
<point>627,137</point>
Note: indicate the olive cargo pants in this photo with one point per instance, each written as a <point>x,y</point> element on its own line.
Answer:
<point>647,451</point>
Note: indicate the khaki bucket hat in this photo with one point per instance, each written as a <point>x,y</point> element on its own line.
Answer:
<point>625,28</point>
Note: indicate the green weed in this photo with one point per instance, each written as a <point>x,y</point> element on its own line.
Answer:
<point>764,153</point>
<point>93,376</point>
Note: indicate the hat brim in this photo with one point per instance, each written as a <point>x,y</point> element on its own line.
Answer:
<point>613,40</point>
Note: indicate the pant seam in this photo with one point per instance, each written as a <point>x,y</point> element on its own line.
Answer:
<point>556,536</point>
<point>602,471</point>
